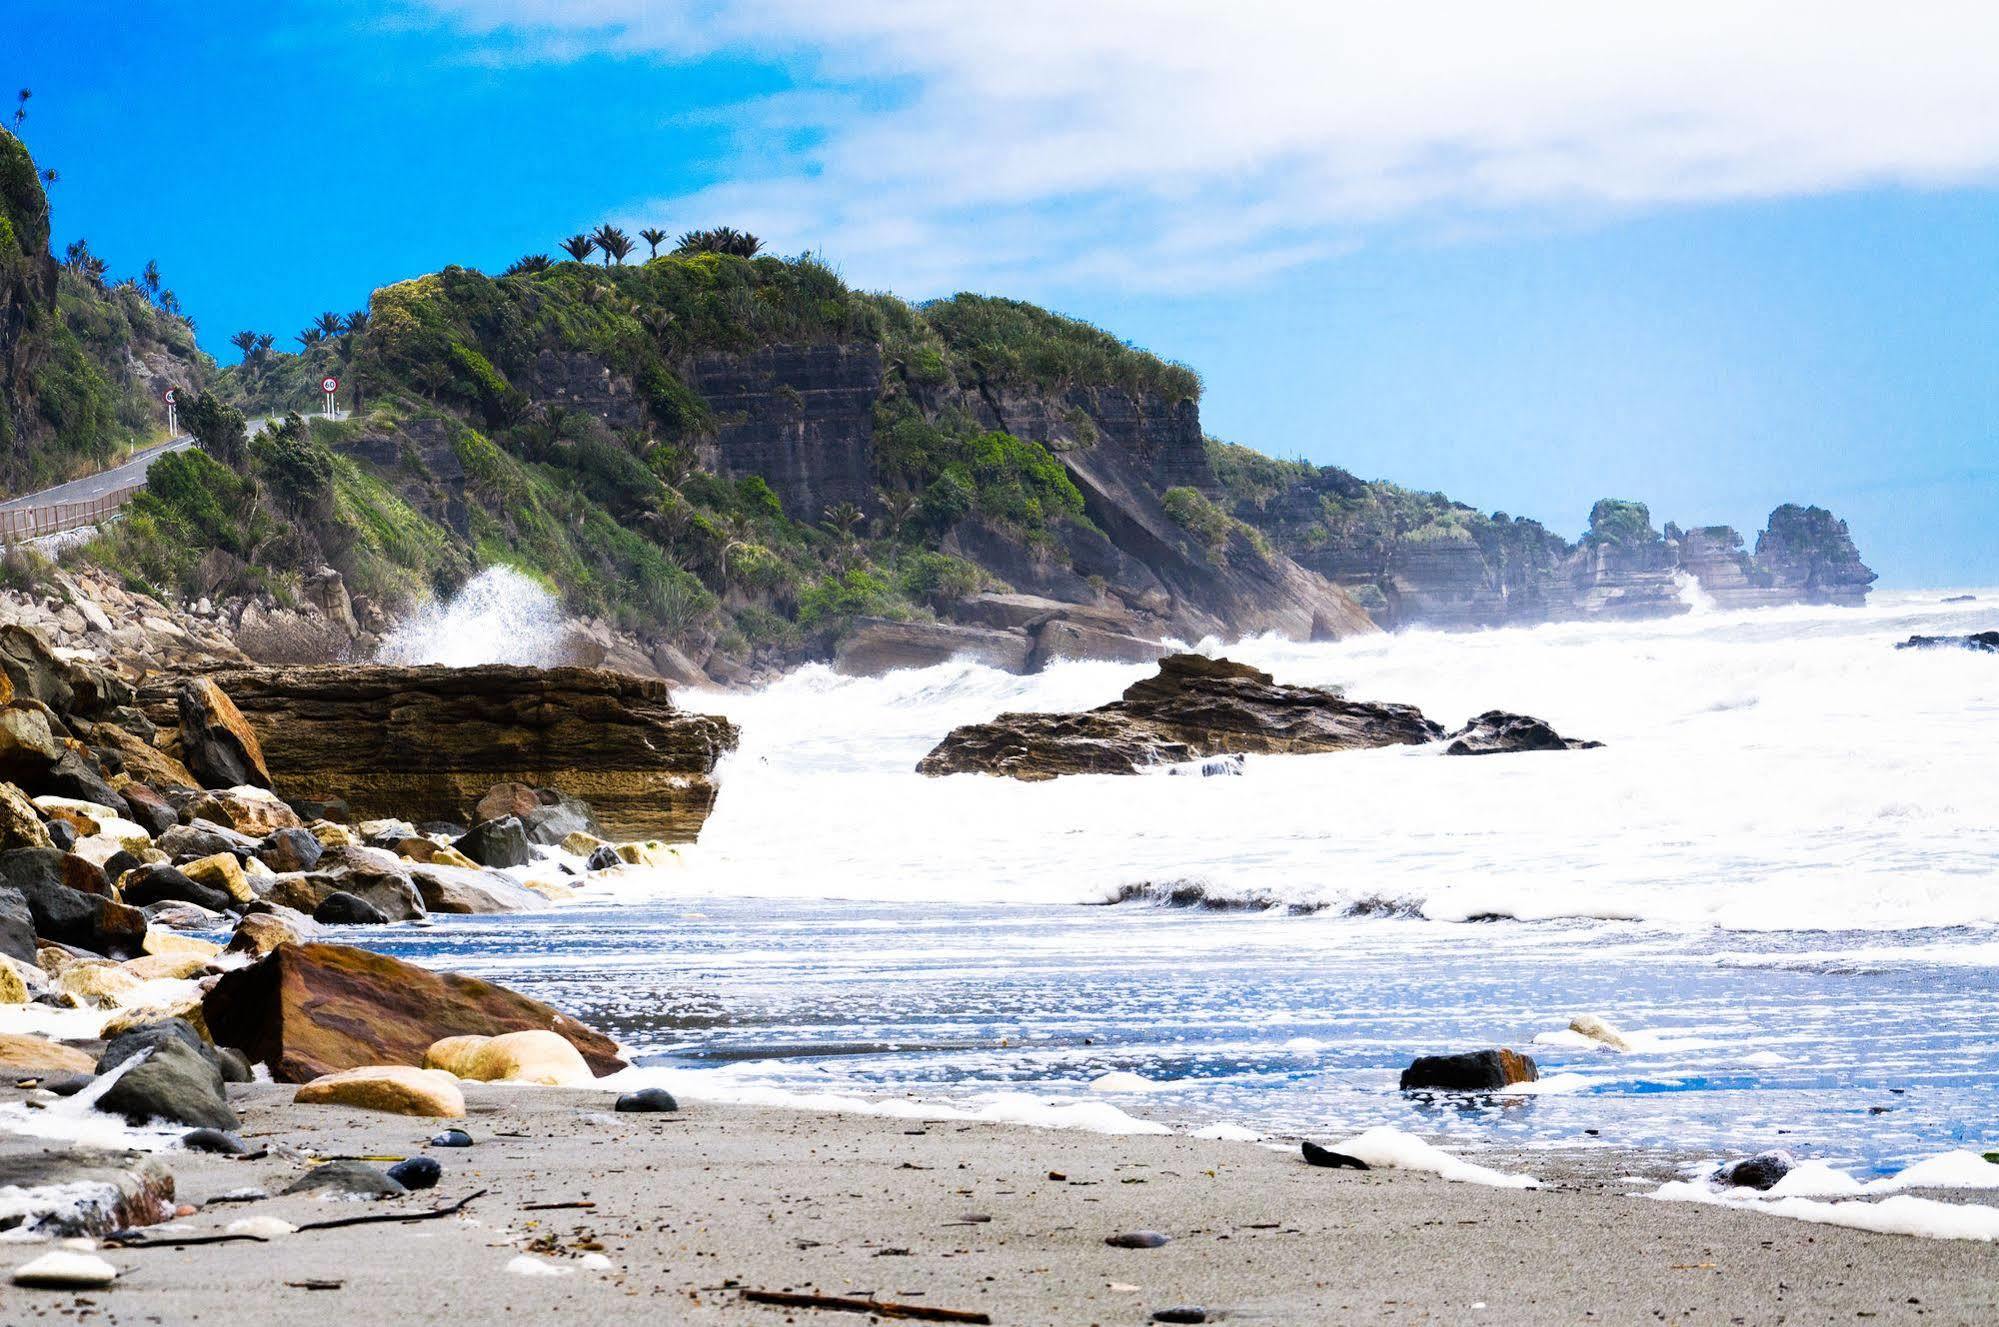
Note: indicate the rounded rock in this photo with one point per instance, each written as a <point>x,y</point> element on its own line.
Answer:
<point>1139,1239</point>
<point>647,1101</point>
<point>217,1141</point>
<point>452,1138</point>
<point>416,1173</point>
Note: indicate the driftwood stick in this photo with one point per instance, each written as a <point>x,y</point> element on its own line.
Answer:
<point>392,1217</point>
<point>881,1308</point>
<point>556,1207</point>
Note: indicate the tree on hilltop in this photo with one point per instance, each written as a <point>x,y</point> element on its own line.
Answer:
<point>21,106</point>
<point>579,247</point>
<point>612,243</point>
<point>528,263</point>
<point>654,237</point>
<point>721,239</point>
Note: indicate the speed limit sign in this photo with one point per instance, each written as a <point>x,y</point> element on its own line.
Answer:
<point>168,395</point>
<point>329,384</point>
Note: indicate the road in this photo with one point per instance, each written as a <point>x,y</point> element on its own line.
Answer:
<point>124,475</point>
<point>104,481</point>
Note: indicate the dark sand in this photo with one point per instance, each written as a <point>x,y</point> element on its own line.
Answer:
<point>693,1207</point>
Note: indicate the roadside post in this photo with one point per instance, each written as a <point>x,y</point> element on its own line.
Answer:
<point>173,414</point>
<point>329,385</point>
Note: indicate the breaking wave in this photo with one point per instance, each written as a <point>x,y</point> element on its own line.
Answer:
<point>1785,769</point>
<point>499,616</point>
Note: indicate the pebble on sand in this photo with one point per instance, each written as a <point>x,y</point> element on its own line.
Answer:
<point>1139,1239</point>
<point>452,1138</point>
<point>416,1173</point>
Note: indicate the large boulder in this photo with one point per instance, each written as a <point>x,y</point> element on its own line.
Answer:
<point>157,883</point>
<point>290,850</point>
<point>1497,732</point>
<point>513,1057</point>
<point>1194,707</point>
<point>1470,1071</point>
<point>546,815</point>
<point>29,748</point>
<point>217,744</point>
<point>17,925</point>
<point>70,916</point>
<point>1986,642</point>
<point>427,742</point>
<point>20,826</point>
<point>247,810</point>
<point>21,1053</point>
<point>457,889</point>
<point>204,838</point>
<point>502,842</point>
<point>395,1089</point>
<point>308,1010</point>
<point>173,1082</point>
<point>379,878</point>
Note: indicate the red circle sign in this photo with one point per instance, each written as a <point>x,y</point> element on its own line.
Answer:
<point>168,395</point>
<point>329,384</point>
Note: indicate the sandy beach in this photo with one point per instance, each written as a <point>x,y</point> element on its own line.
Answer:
<point>694,1208</point>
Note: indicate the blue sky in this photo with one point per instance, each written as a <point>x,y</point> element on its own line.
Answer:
<point>1712,261</point>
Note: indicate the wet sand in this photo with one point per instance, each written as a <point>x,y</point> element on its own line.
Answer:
<point>692,1208</point>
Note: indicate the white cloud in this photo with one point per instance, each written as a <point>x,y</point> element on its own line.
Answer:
<point>1173,143</point>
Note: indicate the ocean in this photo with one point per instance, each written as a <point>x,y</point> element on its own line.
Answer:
<point>1779,877</point>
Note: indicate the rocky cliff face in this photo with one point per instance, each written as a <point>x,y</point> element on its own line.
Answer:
<point>1419,559</point>
<point>799,417</point>
<point>428,742</point>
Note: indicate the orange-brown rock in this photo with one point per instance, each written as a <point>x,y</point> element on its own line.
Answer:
<point>309,1010</point>
<point>216,742</point>
<point>426,743</point>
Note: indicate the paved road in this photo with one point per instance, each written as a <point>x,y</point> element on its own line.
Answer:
<point>125,475</point>
<point>103,482</point>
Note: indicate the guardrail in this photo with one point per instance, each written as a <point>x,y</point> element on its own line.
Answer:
<point>27,523</point>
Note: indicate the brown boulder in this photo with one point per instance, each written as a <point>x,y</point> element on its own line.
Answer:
<point>1194,707</point>
<point>247,810</point>
<point>309,1010</point>
<point>20,827</point>
<point>426,743</point>
<point>217,743</point>
<point>20,1052</point>
<point>139,758</point>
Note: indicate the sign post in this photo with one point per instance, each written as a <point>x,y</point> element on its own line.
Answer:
<point>173,415</point>
<point>329,385</point>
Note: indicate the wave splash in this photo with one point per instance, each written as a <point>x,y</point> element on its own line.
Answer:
<point>498,617</point>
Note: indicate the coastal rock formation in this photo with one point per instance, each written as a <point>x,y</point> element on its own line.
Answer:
<point>309,1010</point>
<point>1421,559</point>
<point>1192,708</point>
<point>1497,731</point>
<point>428,742</point>
<point>1470,1071</point>
<point>1985,641</point>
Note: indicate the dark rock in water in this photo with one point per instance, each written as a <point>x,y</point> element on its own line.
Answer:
<point>173,1082</point>
<point>68,915</point>
<point>1497,731</point>
<point>1181,1313</point>
<point>67,1085</point>
<point>646,1101</point>
<point>1984,641</point>
<point>343,909</point>
<point>602,858</point>
<point>62,834</point>
<point>1472,1071</point>
<point>502,842</point>
<point>1219,767</point>
<point>1331,1160</point>
<point>214,1141</point>
<point>177,915</point>
<point>1761,1171</point>
<point>452,1138</point>
<point>356,1178</point>
<point>1139,1239</point>
<point>290,850</point>
<point>416,1173</point>
<point>380,878</point>
<point>1960,599</point>
<point>1192,709</point>
<point>163,884</point>
<point>448,829</point>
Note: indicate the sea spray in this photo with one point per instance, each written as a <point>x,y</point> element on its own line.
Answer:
<point>499,616</point>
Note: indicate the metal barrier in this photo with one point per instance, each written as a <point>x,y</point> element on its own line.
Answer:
<point>27,523</point>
